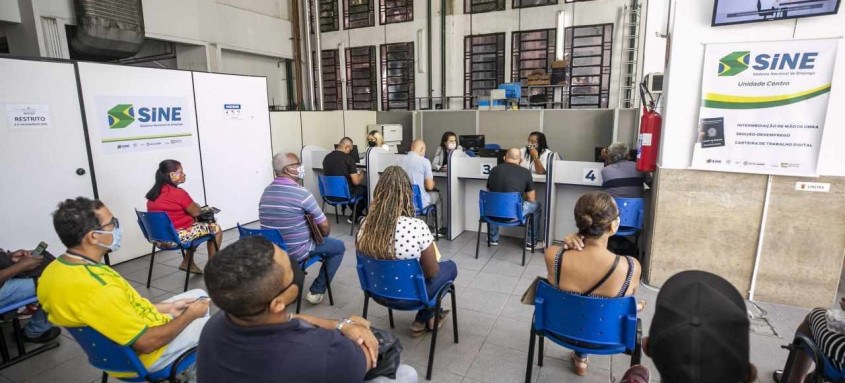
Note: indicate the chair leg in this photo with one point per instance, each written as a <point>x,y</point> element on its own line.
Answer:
<point>526,241</point>
<point>152,260</point>
<point>354,218</point>
<point>366,305</point>
<point>188,269</point>
<point>540,349</point>
<point>325,271</point>
<point>436,226</point>
<point>530,363</point>
<point>478,240</point>
<point>454,312</point>
<point>390,315</point>
<point>17,332</point>
<point>299,301</point>
<point>105,378</point>
<point>336,215</point>
<point>433,340</point>
<point>533,235</point>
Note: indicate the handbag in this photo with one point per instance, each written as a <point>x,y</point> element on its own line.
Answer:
<point>207,214</point>
<point>316,234</point>
<point>389,350</point>
<point>528,295</point>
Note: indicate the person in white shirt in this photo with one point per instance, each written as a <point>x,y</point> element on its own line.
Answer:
<point>535,153</point>
<point>448,143</point>
<point>376,139</point>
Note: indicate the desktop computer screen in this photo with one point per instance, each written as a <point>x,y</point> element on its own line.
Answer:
<point>471,142</point>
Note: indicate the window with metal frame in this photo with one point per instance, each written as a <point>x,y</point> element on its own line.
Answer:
<point>329,17</point>
<point>481,6</point>
<point>361,91</point>
<point>396,11</point>
<point>397,76</point>
<point>532,50</point>
<point>589,50</point>
<point>358,14</point>
<point>532,3</point>
<point>484,65</point>
<point>576,1</point>
<point>333,97</point>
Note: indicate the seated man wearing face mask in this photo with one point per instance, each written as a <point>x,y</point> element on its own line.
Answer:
<point>283,207</point>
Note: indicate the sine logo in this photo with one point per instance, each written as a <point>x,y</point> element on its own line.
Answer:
<point>734,63</point>
<point>121,116</point>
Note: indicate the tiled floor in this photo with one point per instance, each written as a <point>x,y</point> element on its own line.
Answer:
<point>493,324</point>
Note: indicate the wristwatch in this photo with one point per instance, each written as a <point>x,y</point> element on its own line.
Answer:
<point>342,322</point>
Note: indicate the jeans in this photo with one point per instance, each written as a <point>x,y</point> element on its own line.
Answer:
<point>532,208</point>
<point>332,252</point>
<point>447,273</point>
<point>434,199</point>
<point>404,374</point>
<point>188,338</point>
<point>18,289</point>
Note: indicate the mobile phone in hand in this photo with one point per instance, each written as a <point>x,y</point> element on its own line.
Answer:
<point>39,249</point>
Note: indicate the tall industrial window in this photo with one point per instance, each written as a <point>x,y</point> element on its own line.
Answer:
<point>484,65</point>
<point>589,49</point>
<point>532,50</point>
<point>532,3</point>
<point>397,76</point>
<point>331,81</point>
<point>396,11</point>
<point>481,6</point>
<point>358,14</point>
<point>576,1</point>
<point>361,78</point>
<point>328,15</point>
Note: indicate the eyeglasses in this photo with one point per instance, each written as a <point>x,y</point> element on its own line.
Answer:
<point>113,221</point>
<point>267,305</point>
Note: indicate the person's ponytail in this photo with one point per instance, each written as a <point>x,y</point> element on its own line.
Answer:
<point>162,177</point>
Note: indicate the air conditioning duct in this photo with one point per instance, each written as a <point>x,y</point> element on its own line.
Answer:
<point>107,29</point>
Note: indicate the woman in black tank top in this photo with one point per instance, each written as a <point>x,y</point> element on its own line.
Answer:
<point>591,269</point>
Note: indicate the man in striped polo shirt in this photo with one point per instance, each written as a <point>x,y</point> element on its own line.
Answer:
<point>283,207</point>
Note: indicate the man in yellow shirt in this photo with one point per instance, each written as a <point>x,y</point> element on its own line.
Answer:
<point>77,290</point>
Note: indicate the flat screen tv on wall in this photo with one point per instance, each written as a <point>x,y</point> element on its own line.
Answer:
<point>726,12</point>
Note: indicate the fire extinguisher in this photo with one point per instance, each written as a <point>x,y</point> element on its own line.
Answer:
<point>648,141</point>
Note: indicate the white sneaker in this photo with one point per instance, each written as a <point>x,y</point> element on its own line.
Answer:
<point>314,299</point>
<point>537,246</point>
<point>494,243</point>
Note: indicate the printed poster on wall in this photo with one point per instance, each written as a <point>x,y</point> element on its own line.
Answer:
<point>129,124</point>
<point>763,106</point>
<point>28,116</point>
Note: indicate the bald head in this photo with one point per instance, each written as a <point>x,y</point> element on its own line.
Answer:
<point>513,156</point>
<point>345,145</point>
<point>418,146</point>
<point>283,160</point>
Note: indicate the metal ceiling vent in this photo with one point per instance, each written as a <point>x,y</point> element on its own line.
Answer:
<point>108,29</point>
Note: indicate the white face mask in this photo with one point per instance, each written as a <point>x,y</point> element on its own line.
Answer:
<point>297,172</point>
<point>451,145</point>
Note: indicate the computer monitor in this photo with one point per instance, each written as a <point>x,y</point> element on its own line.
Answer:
<point>355,155</point>
<point>472,142</point>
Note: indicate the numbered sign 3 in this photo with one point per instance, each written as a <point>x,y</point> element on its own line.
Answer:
<point>485,169</point>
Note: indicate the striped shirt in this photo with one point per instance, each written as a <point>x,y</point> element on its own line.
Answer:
<point>283,206</point>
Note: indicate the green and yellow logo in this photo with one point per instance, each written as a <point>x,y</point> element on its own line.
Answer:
<point>121,116</point>
<point>734,63</point>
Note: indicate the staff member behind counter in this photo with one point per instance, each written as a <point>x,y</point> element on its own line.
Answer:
<point>535,154</point>
<point>376,139</point>
<point>448,143</point>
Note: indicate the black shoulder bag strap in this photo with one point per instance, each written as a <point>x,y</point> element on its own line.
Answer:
<point>558,263</point>
<point>605,278</point>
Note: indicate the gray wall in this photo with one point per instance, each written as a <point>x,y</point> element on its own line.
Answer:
<point>435,123</point>
<point>575,133</point>
<point>627,126</point>
<point>509,129</point>
<point>406,119</point>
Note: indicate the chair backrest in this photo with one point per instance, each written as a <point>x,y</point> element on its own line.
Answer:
<point>106,354</point>
<point>469,153</point>
<point>630,212</point>
<point>418,204</point>
<point>600,322</point>
<point>500,206</point>
<point>272,235</point>
<point>334,186</point>
<point>392,279</point>
<point>157,227</point>
<point>492,146</point>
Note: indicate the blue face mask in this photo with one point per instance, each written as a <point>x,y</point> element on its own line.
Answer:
<point>117,235</point>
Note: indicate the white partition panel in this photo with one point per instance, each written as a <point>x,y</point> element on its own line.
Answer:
<point>136,118</point>
<point>324,129</point>
<point>42,147</point>
<point>572,179</point>
<point>234,125</point>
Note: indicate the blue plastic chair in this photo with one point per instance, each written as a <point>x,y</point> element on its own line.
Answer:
<point>387,282</point>
<point>631,213</point>
<point>826,371</point>
<point>502,209</point>
<point>598,326</point>
<point>158,229</point>
<point>492,147</point>
<point>17,333</point>
<point>337,188</point>
<point>470,153</point>
<point>305,262</point>
<point>426,211</point>
<point>109,356</point>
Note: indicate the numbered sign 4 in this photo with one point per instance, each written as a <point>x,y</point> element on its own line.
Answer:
<point>590,176</point>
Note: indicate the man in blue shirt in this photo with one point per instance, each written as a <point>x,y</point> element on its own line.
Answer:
<point>419,171</point>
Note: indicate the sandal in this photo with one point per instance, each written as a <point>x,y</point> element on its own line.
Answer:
<point>419,329</point>
<point>579,365</point>
<point>194,269</point>
<point>777,375</point>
